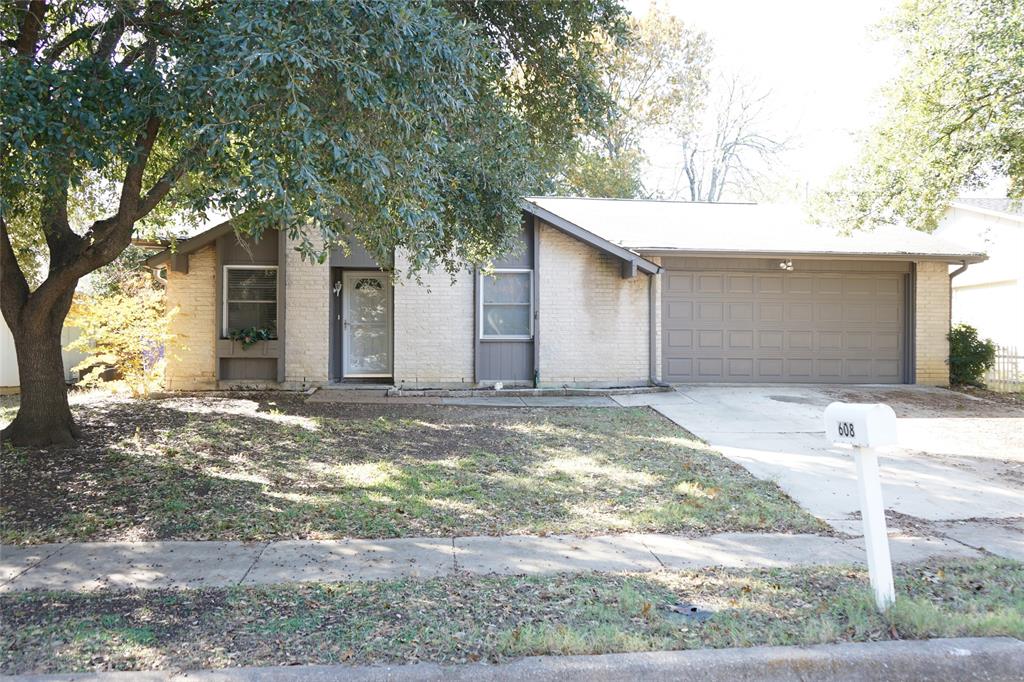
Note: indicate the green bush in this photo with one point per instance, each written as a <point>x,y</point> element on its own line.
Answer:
<point>969,356</point>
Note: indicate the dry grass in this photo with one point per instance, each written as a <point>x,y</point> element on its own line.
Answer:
<point>460,619</point>
<point>270,465</point>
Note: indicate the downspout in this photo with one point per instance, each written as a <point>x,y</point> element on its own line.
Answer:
<point>949,326</point>
<point>959,271</point>
<point>652,351</point>
<point>155,272</point>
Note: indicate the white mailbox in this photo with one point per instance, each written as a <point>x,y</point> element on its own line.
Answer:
<point>865,425</point>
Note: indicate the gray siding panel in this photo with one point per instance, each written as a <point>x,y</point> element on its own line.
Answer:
<point>508,360</point>
<point>762,325</point>
<point>248,369</point>
<point>358,258</point>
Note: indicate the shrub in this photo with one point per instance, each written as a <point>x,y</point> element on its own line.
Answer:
<point>126,334</point>
<point>969,356</point>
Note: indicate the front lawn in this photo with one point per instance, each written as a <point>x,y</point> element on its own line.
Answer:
<point>270,465</point>
<point>463,618</point>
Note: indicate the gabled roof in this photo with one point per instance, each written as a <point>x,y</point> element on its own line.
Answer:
<point>694,228</point>
<point>179,256</point>
<point>632,261</point>
<point>1012,209</point>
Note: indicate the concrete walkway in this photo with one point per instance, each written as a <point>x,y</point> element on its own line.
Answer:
<point>175,564</point>
<point>948,470</point>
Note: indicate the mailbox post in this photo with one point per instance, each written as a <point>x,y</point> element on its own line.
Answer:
<point>866,427</point>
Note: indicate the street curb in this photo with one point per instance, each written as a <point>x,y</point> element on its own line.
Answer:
<point>985,659</point>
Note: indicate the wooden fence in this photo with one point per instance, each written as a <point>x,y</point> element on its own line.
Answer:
<point>1007,375</point>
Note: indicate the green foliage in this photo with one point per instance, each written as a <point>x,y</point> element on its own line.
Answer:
<point>124,333</point>
<point>956,115</point>
<point>657,81</point>
<point>249,336</point>
<point>969,356</point>
<point>402,123</point>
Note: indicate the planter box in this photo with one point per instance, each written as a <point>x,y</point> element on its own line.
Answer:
<point>226,348</point>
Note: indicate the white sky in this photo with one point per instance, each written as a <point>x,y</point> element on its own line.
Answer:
<point>825,62</point>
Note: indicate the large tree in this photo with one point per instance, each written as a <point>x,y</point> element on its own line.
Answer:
<point>404,123</point>
<point>657,80</point>
<point>732,148</point>
<point>955,115</point>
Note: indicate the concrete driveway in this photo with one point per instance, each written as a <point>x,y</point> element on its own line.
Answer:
<point>958,470</point>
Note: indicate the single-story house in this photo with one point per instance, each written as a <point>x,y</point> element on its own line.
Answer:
<point>600,293</point>
<point>989,296</point>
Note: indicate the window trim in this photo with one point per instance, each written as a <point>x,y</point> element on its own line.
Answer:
<point>480,311</point>
<point>225,330</point>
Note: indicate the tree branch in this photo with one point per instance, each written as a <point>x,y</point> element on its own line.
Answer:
<point>30,29</point>
<point>131,189</point>
<point>14,289</point>
<point>166,182</point>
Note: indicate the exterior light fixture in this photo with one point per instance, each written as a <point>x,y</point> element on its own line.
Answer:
<point>786,265</point>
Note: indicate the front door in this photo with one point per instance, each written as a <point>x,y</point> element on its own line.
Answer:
<point>366,324</point>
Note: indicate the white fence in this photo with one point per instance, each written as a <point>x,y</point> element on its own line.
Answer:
<point>1007,375</point>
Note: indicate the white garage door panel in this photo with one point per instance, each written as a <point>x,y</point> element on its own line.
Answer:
<point>815,327</point>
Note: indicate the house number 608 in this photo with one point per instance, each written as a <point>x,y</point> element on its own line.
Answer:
<point>846,429</point>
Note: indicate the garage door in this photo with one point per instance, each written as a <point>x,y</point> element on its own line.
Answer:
<point>783,327</point>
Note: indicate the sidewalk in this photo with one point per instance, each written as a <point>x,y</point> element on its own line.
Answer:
<point>180,564</point>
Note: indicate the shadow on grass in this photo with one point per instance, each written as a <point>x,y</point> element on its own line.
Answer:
<point>269,465</point>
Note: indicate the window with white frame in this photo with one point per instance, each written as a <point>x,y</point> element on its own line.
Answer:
<point>250,298</point>
<point>506,304</point>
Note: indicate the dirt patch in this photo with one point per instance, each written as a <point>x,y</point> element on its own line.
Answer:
<point>933,402</point>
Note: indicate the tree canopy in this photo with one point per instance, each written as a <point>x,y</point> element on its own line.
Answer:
<point>407,123</point>
<point>411,124</point>
<point>657,81</point>
<point>955,115</point>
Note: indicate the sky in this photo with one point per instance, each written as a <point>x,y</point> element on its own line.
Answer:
<point>824,61</point>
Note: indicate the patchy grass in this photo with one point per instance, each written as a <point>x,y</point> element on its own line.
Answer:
<point>459,619</point>
<point>273,466</point>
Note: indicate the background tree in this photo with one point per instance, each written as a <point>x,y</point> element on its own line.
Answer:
<point>955,115</point>
<point>731,149</point>
<point>657,78</point>
<point>401,123</point>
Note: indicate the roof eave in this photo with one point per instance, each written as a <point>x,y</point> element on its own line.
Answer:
<point>572,229</point>
<point>1015,217</point>
<point>190,245</point>
<point>970,258</point>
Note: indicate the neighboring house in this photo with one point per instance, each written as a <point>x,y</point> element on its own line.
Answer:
<point>9,380</point>
<point>990,295</point>
<point>601,293</point>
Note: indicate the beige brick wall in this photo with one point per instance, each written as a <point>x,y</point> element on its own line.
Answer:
<point>307,320</point>
<point>192,357</point>
<point>932,311</point>
<point>593,323</point>
<point>433,329</point>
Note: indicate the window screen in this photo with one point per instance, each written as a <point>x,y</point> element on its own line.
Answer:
<point>507,305</point>
<point>251,299</point>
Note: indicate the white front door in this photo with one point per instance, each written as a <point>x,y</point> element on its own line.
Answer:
<point>366,324</point>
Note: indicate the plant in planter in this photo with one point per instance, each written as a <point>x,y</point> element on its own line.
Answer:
<point>249,336</point>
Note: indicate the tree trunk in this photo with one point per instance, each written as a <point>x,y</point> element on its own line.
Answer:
<point>44,417</point>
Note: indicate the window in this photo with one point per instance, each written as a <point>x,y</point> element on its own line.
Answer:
<point>250,298</point>
<point>506,304</point>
